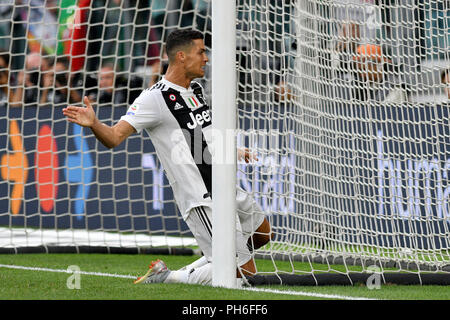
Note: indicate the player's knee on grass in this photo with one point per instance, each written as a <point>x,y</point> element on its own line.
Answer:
<point>247,269</point>
<point>261,236</point>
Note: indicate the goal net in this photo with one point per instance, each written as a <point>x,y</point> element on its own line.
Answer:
<point>345,102</point>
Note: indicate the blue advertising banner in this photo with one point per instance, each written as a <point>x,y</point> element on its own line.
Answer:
<point>59,176</point>
<point>372,175</point>
<point>383,175</point>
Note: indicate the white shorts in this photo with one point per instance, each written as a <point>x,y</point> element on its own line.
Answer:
<point>250,217</point>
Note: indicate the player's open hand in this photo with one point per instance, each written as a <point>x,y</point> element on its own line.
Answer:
<point>83,116</point>
<point>246,155</point>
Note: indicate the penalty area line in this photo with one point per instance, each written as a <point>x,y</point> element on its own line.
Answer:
<point>113,275</point>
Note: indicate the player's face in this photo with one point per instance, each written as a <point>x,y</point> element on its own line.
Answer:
<point>196,60</point>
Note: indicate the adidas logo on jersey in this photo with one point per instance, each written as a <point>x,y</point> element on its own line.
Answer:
<point>178,106</point>
<point>199,119</point>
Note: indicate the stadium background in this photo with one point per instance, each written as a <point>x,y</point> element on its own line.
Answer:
<point>93,188</point>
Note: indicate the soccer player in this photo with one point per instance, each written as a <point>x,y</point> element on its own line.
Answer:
<point>178,120</point>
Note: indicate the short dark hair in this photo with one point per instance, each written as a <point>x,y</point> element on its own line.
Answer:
<point>65,60</point>
<point>180,38</point>
<point>108,63</point>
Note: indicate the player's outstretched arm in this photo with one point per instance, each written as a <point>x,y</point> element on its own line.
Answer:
<point>83,116</point>
<point>110,137</point>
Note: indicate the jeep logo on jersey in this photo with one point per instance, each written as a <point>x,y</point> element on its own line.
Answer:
<point>199,119</point>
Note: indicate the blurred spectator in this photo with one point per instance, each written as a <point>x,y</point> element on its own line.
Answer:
<point>445,80</point>
<point>265,50</point>
<point>83,83</point>
<point>106,85</point>
<point>28,80</point>
<point>349,38</point>
<point>63,79</point>
<point>109,91</point>
<point>283,91</point>
<point>55,84</point>
<point>115,89</point>
<point>47,85</point>
<point>376,77</point>
<point>5,91</point>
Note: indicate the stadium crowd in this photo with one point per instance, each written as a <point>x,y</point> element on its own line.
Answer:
<point>120,59</point>
<point>110,61</point>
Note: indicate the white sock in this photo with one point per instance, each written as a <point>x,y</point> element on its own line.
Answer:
<point>196,264</point>
<point>178,276</point>
<point>202,275</point>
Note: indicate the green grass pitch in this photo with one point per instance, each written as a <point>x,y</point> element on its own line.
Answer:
<point>49,282</point>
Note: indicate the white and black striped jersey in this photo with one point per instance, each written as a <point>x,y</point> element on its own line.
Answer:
<point>178,121</point>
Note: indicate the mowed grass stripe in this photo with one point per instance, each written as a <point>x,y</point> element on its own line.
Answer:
<point>22,284</point>
<point>101,274</point>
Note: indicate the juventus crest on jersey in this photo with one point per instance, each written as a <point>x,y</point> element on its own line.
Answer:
<point>178,121</point>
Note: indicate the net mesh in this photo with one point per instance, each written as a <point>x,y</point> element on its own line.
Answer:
<point>55,175</point>
<point>344,101</point>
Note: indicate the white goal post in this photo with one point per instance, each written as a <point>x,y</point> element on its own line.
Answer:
<point>345,102</point>
<point>224,127</point>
